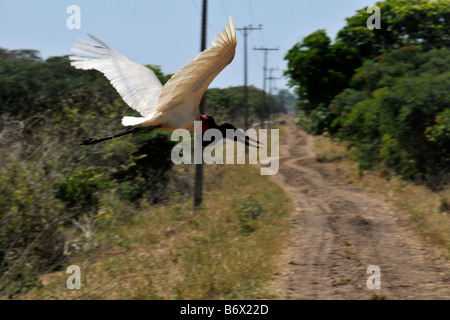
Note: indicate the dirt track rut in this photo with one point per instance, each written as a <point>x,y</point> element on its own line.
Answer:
<point>339,230</point>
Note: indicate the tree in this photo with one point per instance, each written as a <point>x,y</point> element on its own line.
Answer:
<point>318,69</point>
<point>404,23</point>
<point>227,104</point>
<point>317,78</point>
<point>396,113</point>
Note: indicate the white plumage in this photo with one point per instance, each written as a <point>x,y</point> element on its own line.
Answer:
<point>172,106</point>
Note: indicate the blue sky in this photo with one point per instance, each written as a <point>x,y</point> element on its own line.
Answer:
<point>167,32</point>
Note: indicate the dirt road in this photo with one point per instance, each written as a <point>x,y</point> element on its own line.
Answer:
<point>339,230</point>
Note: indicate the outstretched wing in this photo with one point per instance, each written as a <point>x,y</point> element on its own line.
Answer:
<point>187,85</point>
<point>137,85</point>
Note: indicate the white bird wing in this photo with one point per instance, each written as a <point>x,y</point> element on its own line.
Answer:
<point>187,85</point>
<point>137,85</point>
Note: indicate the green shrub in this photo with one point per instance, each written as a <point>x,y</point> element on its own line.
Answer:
<point>400,120</point>
<point>31,218</point>
<point>247,211</point>
<point>81,189</point>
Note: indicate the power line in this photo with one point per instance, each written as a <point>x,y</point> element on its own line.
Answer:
<point>266,51</point>
<point>224,8</point>
<point>271,78</point>
<point>251,10</point>
<point>246,30</point>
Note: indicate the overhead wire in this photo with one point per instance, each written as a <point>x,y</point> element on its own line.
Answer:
<point>252,15</point>
<point>251,11</point>
<point>210,26</point>
<point>224,8</point>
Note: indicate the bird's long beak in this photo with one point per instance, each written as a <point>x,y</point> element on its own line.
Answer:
<point>245,139</point>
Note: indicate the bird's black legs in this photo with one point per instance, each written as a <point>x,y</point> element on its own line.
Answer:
<point>131,130</point>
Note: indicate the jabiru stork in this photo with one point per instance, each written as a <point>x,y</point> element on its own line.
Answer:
<point>172,106</point>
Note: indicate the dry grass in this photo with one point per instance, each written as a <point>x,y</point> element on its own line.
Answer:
<point>328,150</point>
<point>426,209</point>
<point>227,249</point>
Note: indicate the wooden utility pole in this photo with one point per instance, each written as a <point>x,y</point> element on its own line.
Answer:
<point>266,51</point>
<point>198,191</point>
<point>270,78</point>
<point>246,30</point>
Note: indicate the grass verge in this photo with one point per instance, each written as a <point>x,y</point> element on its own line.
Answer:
<point>227,249</point>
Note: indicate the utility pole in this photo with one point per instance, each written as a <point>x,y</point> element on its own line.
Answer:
<point>266,51</point>
<point>246,30</point>
<point>270,78</point>
<point>275,88</point>
<point>198,191</point>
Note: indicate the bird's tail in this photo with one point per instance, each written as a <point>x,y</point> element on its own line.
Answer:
<point>132,121</point>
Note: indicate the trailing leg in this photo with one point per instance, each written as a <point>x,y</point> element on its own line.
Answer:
<point>131,130</point>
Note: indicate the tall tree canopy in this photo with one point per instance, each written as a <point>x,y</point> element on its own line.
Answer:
<point>385,90</point>
<point>319,69</point>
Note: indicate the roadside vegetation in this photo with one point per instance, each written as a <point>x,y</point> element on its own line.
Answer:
<point>121,209</point>
<point>383,91</point>
<point>227,249</point>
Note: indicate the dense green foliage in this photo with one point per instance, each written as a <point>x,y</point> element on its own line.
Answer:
<point>227,104</point>
<point>395,112</point>
<point>385,91</point>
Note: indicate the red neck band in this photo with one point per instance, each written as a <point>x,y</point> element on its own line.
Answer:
<point>204,119</point>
